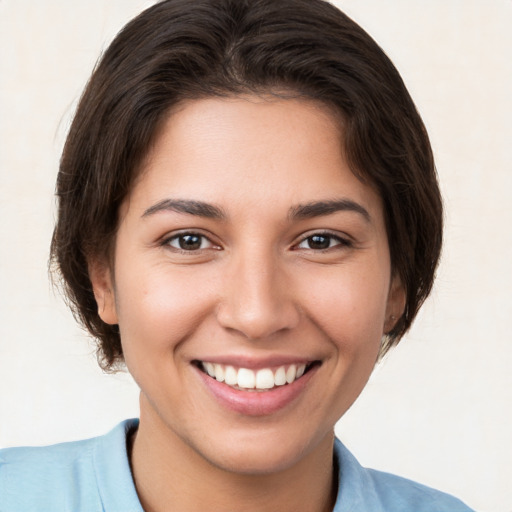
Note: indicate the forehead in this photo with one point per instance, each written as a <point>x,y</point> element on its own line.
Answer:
<point>250,150</point>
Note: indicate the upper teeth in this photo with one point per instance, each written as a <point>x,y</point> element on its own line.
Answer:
<point>265,378</point>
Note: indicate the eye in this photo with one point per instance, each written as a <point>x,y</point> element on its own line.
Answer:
<point>322,241</point>
<point>189,242</point>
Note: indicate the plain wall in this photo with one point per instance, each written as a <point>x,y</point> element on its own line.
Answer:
<point>438,409</point>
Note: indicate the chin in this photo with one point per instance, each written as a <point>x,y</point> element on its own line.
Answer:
<point>261,453</point>
<point>256,461</point>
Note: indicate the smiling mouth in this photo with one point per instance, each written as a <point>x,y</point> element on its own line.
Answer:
<point>264,379</point>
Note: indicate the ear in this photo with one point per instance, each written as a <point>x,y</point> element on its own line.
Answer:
<point>395,305</point>
<point>102,282</point>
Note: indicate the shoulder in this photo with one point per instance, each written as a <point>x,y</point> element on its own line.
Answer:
<point>365,489</point>
<point>398,494</point>
<point>70,476</point>
<point>50,476</point>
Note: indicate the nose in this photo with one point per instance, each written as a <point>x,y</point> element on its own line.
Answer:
<point>257,298</point>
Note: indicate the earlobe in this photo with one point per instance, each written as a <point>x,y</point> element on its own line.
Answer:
<point>102,285</point>
<point>395,305</point>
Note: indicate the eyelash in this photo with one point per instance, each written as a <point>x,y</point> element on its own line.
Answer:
<point>182,236</point>
<point>340,242</point>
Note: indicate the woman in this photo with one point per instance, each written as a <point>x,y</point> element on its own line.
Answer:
<point>249,217</point>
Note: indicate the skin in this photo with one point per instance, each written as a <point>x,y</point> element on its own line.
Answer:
<point>256,288</point>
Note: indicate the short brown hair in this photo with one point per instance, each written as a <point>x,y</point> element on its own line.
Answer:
<point>182,49</point>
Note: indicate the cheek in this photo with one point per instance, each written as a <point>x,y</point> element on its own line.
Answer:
<point>349,306</point>
<point>158,309</point>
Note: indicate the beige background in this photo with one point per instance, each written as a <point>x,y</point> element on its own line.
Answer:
<point>438,409</point>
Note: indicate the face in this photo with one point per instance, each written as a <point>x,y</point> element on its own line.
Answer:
<point>251,281</point>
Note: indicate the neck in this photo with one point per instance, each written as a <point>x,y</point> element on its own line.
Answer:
<point>171,475</point>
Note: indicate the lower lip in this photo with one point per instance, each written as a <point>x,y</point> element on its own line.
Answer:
<point>256,403</point>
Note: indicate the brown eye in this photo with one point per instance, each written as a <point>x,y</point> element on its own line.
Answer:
<point>189,242</point>
<point>319,242</point>
<point>322,241</point>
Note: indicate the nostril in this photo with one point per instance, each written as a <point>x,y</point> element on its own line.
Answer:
<point>256,320</point>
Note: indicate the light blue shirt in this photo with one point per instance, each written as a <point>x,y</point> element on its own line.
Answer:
<point>94,476</point>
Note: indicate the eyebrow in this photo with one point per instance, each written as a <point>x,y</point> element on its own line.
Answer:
<point>299,212</point>
<point>197,208</point>
<point>320,208</point>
